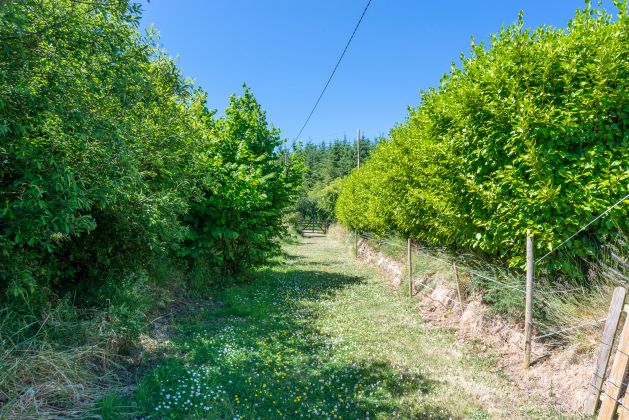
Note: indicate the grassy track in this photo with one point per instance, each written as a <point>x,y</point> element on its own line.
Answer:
<point>320,336</point>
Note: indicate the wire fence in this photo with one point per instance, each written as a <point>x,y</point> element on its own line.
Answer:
<point>548,312</point>
<point>556,322</point>
<point>583,228</point>
<point>425,286</point>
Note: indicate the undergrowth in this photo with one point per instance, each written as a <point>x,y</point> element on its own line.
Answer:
<point>59,359</point>
<point>71,355</point>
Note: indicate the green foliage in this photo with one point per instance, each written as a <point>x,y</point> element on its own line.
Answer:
<point>127,299</point>
<point>325,198</point>
<point>325,164</point>
<point>96,140</point>
<point>530,133</point>
<point>245,188</point>
<point>111,169</point>
<point>109,157</point>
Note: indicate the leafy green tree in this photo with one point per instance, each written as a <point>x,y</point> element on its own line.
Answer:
<point>247,185</point>
<point>108,154</point>
<point>95,141</point>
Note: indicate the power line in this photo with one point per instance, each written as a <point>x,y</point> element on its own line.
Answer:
<point>335,67</point>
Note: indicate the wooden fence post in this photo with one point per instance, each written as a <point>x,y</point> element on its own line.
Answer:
<point>528,315</point>
<point>616,377</point>
<point>355,244</point>
<point>458,286</point>
<point>409,260</point>
<point>611,325</point>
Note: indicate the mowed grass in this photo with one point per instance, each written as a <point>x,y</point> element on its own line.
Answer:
<point>319,336</point>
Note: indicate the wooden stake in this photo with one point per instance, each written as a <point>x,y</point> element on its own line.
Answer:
<point>623,411</point>
<point>528,315</point>
<point>409,260</point>
<point>356,244</point>
<point>616,376</point>
<point>611,325</point>
<point>458,286</point>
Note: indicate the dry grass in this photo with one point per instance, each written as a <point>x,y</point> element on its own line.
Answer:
<point>579,309</point>
<point>38,380</point>
<point>568,306</point>
<point>59,362</point>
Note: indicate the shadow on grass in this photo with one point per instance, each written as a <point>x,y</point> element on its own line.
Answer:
<point>261,354</point>
<point>318,264</point>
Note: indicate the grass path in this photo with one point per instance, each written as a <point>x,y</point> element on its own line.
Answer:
<point>321,336</point>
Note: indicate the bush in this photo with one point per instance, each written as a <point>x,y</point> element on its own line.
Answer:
<point>94,163</point>
<point>528,134</point>
<point>245,187</point>
<point>106,168</point>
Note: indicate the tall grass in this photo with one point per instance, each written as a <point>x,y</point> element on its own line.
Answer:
<point>60,359</point>
<point>560,303</point>
<point>571,303</point>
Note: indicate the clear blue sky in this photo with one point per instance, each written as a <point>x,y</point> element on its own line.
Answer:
<point>285,50</point>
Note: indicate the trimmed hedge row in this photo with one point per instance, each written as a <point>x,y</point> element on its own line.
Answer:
<point>530,133</point>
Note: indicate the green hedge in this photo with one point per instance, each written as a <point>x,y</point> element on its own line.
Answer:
<point>531,132</point>
<point>109,157</point>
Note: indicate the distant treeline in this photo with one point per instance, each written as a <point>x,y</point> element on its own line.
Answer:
<point>324,166</point>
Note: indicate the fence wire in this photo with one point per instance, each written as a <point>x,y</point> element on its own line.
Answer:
<point>560,323</point>
<point>562,308</point>
<point>544,300</point>
<point>582,229</point>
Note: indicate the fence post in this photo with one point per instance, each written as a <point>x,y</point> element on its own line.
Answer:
<point>458,285</point>
<point>528,315</point>
<point>355,244</point>
<point>605,349</point>
<point>616,377</point>
<point>409,260</point>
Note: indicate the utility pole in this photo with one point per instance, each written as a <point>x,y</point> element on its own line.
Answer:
<point>358,165</point>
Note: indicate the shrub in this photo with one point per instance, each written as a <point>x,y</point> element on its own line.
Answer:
<point>530,133</point>
<point>96,140</point>
<point>110,157</point>
<point>245,186</point>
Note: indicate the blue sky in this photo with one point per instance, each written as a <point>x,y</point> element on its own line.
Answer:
<point>285,50</point>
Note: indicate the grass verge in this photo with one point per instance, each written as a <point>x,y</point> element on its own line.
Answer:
<point>317,336</point>
<point>559,304</point>
<point>59,359</point>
